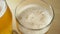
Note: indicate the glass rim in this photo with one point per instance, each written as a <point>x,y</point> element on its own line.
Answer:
<point>39,28</point>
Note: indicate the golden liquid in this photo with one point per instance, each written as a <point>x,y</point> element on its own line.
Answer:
<point>6,22</point>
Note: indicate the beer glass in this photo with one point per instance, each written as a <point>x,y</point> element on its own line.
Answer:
<point>34,17</point>
<point>5,18</point>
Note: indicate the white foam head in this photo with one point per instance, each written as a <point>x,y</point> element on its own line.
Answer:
<point>2,8</point>
<point>34,16</point>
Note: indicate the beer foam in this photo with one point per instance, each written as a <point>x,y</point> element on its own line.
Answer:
<point>3,7</point>
<point>34,17</point>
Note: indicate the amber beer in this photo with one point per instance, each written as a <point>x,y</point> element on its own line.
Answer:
<point>5,19</point>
